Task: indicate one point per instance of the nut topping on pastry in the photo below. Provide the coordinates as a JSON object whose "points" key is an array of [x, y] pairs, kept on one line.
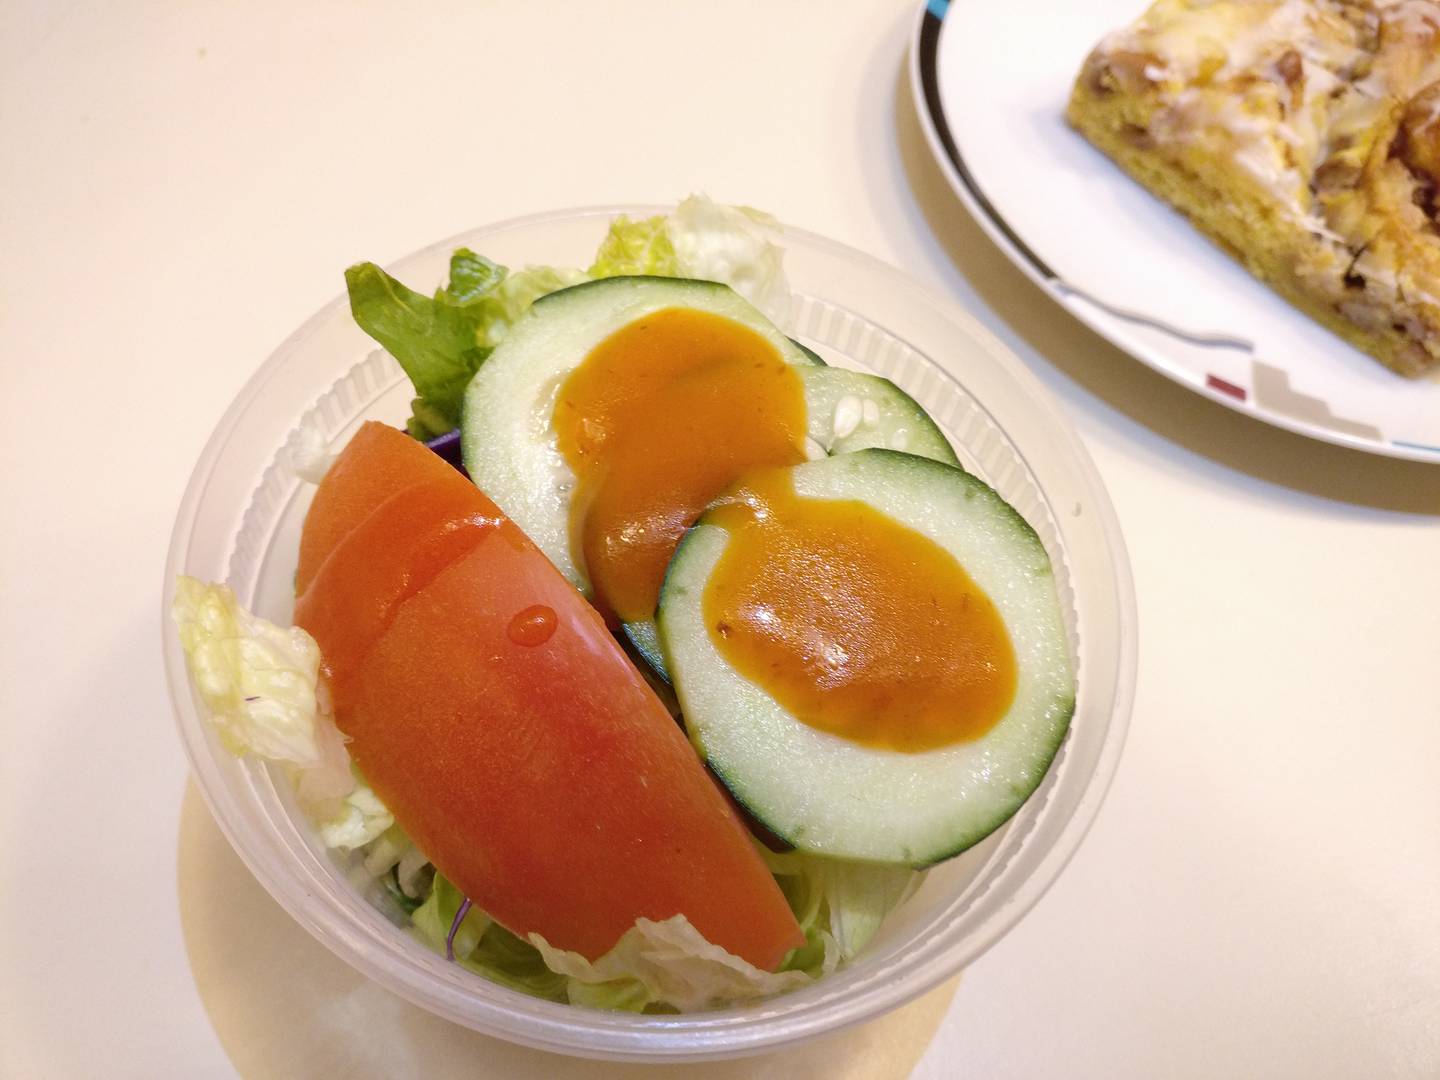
{"points": [[1418, 141]]}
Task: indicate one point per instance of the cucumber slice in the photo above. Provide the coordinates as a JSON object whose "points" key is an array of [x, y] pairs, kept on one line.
{"points": [[849, 410], [834, 797], [506, 431], [644, 638], [815, 357], [508, 437]]}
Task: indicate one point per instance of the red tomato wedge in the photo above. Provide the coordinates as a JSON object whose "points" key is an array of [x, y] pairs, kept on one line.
{"points": [[391, 555], [495, 715], [374, 466]]}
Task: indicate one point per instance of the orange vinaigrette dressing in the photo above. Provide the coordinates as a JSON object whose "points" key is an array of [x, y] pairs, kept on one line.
{"points": [[659, 419], [857, 625]]}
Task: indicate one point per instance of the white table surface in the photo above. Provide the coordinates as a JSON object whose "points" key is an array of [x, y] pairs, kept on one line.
{"points": [[181, 185]]}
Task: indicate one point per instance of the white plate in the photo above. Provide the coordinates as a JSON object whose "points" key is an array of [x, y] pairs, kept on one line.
{"points": [[991, 82]]}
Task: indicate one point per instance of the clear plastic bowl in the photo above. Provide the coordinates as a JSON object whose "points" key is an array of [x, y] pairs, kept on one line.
{"points": [[240, 520]]}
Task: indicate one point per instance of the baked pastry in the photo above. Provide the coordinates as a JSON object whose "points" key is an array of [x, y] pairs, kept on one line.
{"points": [[1304, 137]]}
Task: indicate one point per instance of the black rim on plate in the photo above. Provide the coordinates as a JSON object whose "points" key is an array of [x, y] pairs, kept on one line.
{"points": [[930, 85]]}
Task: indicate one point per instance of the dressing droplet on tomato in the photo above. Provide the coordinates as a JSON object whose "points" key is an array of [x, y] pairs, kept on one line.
{"points": [[533, 626]]}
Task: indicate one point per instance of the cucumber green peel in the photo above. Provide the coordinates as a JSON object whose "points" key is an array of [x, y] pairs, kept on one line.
{"points": [[828, 795]]}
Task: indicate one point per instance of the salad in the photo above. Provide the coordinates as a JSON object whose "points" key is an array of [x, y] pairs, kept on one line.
{"points": [[668, 696]]}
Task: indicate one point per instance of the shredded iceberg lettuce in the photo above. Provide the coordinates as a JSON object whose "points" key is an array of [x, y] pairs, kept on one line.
{"points": [[735, 245], [656, 966], [483, 946], [434, 918], [310, 456], [260, 685], [667, 964], [838, 903], [703, 239], [399, 869], [636, 247], [385, 852], [257, 679], [360, 819]]}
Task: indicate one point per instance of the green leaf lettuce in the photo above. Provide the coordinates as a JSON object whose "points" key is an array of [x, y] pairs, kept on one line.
{"points": [[440, 341]]}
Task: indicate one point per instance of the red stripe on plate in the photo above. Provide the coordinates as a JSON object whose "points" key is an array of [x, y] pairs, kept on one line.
{"points": [[1214, 382]]}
